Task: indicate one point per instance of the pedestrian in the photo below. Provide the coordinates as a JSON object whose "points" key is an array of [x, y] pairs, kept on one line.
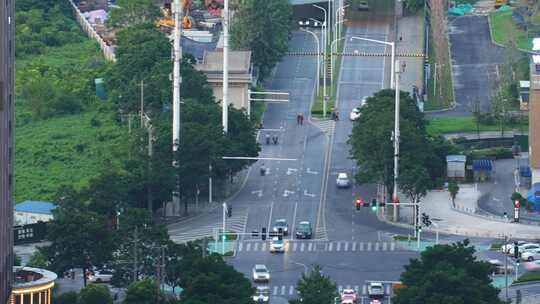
{"points": [[400, 38], [275, 139], [301, 118], [298, 118]]}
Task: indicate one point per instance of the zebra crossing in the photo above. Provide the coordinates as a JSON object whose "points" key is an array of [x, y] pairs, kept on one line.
{"points": [[236, 223], [326, 126], [318, 246], [290, 290]]}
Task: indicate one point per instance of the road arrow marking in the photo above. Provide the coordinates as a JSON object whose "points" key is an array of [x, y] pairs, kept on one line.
{"points": [[291, 171], [308, 194], [287, 193], [258, 192], [311, 172]]}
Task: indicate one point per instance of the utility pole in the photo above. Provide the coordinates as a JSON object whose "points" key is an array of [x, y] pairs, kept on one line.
{"points": [[177, 80], [506, 270], [225, 100], [142, 101], [396, 140], [135, 262]]}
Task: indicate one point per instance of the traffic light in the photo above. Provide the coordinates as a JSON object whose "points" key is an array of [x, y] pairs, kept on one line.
{"points": [[382, 204], [516, 250], [263, 234], [374, 204], [254, 233], [229, 211], [358, 203]]}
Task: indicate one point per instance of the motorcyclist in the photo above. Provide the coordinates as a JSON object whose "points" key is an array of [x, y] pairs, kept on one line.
{"points": [[267, 139]]}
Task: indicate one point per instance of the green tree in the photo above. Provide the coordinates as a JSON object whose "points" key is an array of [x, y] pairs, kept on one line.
{"points": [[95, 294], [69, 297], [133, 12], [79, 238], [38, 260], [316, 288], [251, 31], [414, 5], [142, 292], [372, 146], [414, 180], [449, 274]]}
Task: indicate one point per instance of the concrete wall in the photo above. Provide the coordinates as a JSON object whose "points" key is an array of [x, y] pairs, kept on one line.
{"points": [[238, 95], [7, 57], [25, 218]]}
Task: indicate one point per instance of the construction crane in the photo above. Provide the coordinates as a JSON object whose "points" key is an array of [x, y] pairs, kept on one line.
{"points": [[167, 21]]}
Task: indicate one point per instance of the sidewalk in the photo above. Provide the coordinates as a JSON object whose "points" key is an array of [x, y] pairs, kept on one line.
{"points": [[411, 30], [462, 221]]}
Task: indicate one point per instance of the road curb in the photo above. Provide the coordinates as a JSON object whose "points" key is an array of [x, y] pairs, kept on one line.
{"points": [[502, 45], [525, 283]]}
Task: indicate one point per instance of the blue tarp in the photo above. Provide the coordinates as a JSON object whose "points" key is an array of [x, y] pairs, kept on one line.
{"points": [[35, 207], [482, 165], [533, 196], [525, 171], [460, 9]]}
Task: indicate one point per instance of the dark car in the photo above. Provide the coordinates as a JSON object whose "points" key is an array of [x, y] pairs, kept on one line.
{"points": [[363, 6], [303, 230]]}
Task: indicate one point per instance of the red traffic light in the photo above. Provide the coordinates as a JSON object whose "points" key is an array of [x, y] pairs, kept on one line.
{"points": [[516, 204]]}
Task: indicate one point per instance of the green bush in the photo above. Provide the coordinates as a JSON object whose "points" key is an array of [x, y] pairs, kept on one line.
{"points": [[69, 297], [493, 153]]}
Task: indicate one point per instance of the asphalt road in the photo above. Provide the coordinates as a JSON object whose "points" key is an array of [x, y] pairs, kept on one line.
{"points": [[475, 64]]}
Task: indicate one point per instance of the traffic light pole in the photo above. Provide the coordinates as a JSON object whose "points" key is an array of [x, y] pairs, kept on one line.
{"points": [[223, 231]]}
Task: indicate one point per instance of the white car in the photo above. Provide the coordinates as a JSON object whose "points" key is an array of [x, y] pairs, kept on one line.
{"points": [[277, 245], [100, 276], [526, 248], [375, 290], [343, 181], [260, 273], [531, 255], [355, 114], [262, 294], [508, 248]]}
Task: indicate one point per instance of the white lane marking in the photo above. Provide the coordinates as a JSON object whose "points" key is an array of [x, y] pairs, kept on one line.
{"points": [[364, 289], [275, 291], [291, 290], [354, 246], [308, 171], [330, 246], [258, 192], [270, 216], [308, 194], [248, 247], [286, 193], [369, 246], [346, 246], [255, 246], [263, 246], [361, 245], [377, 246], [294, 218], [240, 245], [302, 247], [310, 246], [294, 246], [291, 171], [338, 246], [384, 246], [392, 246]]}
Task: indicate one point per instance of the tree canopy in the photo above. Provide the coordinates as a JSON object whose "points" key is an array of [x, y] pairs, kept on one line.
{"points": [[448, 274], [95, 294], [133, 12], [316, 288], [262, 26]]}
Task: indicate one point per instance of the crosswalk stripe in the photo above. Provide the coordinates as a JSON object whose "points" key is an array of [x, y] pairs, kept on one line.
{"points": [[356, 288], [302, 247], [294, 246], [283, 289], [384, 246], [354, 246], [330, 246], [361, 246], [340, 288], [275, 291], [310, 246], [392, 246], [255, 246], [240, 245], [346, 246], [364, 289], [387, 289], [369, 246], [263, 246], [248, 246], [291, 290], [377, 246], [338, 246]]}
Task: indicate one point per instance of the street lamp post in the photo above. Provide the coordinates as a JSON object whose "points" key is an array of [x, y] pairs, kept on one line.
{"points": [[338, 20], [318, 57], [393, 46], [397, 68], [325, 46], [332, 64]]}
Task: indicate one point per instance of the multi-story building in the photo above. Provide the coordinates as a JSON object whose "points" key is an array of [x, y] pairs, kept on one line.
{"points": [[7, 52], [534, 119]]}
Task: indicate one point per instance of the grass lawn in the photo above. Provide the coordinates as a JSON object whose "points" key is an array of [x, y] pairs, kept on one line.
{"points": [[317, 109], [67, 149], [503, 27], [64, 150], [528, 277], [442, 125]]}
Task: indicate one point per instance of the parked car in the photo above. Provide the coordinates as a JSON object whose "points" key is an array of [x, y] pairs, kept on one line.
{"points": [[343, 181], [349, 296], [531, 255], [281, 223], [100, 276], [526, 247], [262, 294], [506, 248], [363, 6], [498, 267], [303, 230], [260, 273], [277, 245], [375, 290], [355, 114]]}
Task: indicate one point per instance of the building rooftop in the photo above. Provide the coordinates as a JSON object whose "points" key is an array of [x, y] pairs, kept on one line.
{"points": [[239, 62], [28, 277], [35, 207], [456, 158]]}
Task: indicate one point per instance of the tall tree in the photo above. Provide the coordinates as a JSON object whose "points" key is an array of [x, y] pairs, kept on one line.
{"points": [[141, 292], [262, 26], [95, 294], [449, 274], [133, 12], [79, 239], [316, 288]]}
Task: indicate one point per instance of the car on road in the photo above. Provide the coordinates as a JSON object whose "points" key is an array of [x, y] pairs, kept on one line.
{"points": [[303, 230], [310, 23], [281, 223], [507, 248], [531, 255], [375, 301], [100, 276], [355, 114], [526, 248], [349, 296], [277, 245], [498, 266], [363, 6], [343, 180], [260, 273], [375, 290], [262, 294]]}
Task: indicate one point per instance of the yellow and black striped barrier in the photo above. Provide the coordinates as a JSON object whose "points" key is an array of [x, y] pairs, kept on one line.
{"points": [[364, 54]]}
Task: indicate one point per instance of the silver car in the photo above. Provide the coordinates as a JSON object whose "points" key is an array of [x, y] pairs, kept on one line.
{"points": [[343, 181], [260, 273]]}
